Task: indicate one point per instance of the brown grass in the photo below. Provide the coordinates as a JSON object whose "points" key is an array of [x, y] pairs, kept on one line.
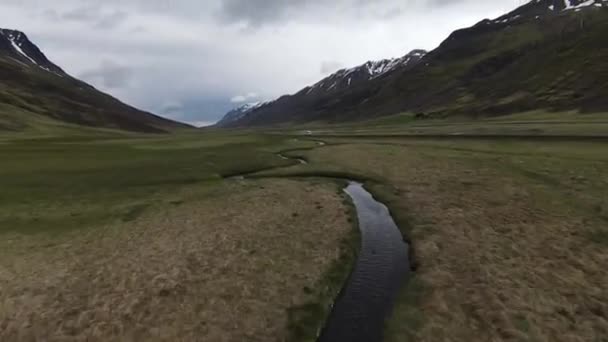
{"points": [[505, 240], [225, 265]]}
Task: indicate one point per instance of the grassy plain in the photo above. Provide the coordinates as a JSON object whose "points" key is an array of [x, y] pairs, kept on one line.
{"points": [[108, 237], [537, 123]]}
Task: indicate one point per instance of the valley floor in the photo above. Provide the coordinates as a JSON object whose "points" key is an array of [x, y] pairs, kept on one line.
{"points": [[510, 235], [143, 238]]}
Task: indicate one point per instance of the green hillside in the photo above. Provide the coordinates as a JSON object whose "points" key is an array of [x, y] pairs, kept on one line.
{"points": [[36, 95]]}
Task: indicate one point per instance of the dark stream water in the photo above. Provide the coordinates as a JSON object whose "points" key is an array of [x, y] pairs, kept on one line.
{"points": [[300, 160], [366, 300]]}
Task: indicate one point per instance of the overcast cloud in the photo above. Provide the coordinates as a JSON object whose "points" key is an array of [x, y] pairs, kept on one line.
{"points": [[193, 60]]}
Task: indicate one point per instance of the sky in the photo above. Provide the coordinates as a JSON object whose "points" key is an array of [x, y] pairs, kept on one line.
{"points": [[193, 60]]}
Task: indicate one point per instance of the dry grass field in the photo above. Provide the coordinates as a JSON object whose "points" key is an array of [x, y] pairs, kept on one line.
{"points": [[228, 264], [140, 238]]}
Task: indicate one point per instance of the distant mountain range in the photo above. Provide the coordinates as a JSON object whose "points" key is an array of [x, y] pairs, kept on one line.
{"points": [[36, 94], [239, 113], [332, 85], [546, 54]]}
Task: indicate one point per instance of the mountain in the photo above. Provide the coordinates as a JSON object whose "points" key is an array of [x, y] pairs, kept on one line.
{"points": [[318, 94], [36, 94], [536, 8], [345, 78], [238, 113], [546, 54], [20, 48]]}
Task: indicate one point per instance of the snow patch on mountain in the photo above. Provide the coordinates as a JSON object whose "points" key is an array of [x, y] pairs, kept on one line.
{"points": [[370, 70], [539, 8], [17, 47], [27, 53], [240, 112]]}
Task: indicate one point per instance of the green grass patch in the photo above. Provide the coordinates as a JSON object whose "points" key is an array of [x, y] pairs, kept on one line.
{"points": [[54, 183], [599, 237], [306, 321], [135, 211], [407, 315]]}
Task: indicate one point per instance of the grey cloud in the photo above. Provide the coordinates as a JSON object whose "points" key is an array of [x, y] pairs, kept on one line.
{"points": [[195, 109], [84, 13], [330, 66], [257, 13], [172, 108], [251, 12], [112, 20], [92, 15], [111, 75]]}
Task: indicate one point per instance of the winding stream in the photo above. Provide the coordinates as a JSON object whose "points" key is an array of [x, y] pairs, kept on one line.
{"points": [[366, 300], [382, 265], [300, 160]]}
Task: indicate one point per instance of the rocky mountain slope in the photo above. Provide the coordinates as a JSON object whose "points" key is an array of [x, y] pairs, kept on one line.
{"points": [[345, 78], [547, 54], [35, 93], [318, 94]]}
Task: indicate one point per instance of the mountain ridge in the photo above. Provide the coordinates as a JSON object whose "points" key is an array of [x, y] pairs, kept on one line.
{"points": [[369, 70], [541, 55], [23, 48], [34, 91], [239, 112], [336, 82]]}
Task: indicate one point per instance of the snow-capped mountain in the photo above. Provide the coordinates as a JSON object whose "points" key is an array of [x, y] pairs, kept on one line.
{"points": [[345, 78], [563, 5], [540, 8], [21, 49], [534, 10], [546, 54], [334, 84], [240, 112]]}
